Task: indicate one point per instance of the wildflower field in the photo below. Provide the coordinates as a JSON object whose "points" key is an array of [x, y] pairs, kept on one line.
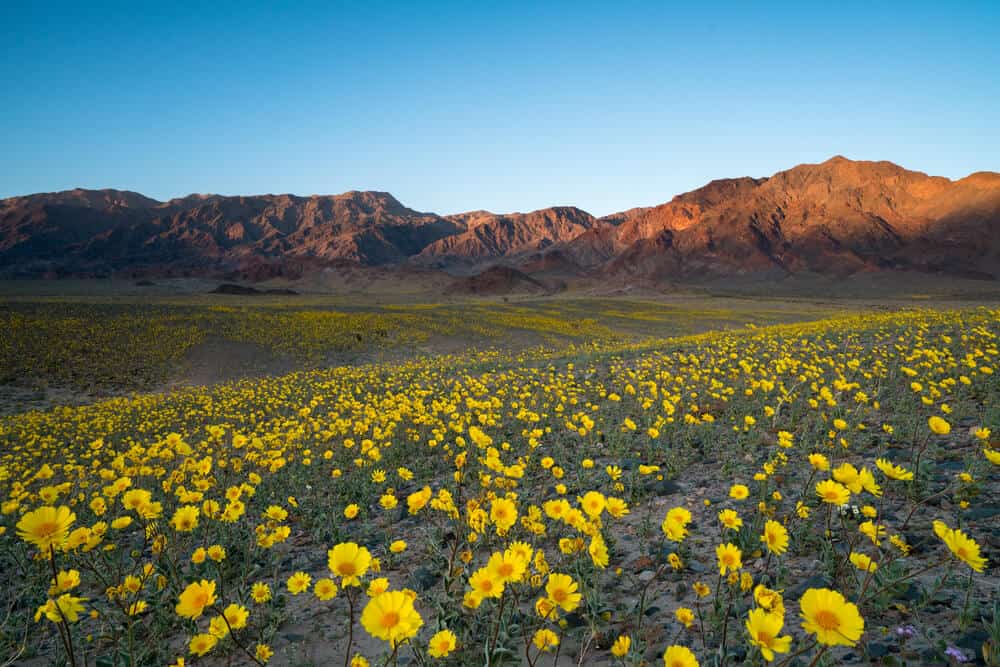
{"points": [[813, 493]]}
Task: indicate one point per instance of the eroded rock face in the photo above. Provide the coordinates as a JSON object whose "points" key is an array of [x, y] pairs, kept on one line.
{"points": [[92, 230], [834, 218], [838, 217]]}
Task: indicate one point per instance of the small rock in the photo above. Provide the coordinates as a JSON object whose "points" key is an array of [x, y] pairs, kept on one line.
{"points": [[877, 650], [666, 487]]}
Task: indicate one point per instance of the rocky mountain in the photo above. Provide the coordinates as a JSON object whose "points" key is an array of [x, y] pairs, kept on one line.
{"points": [[838, 218], [105, 231], [834, 218], [488, 236]]}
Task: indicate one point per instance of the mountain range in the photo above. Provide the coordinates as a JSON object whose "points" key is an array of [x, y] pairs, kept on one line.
{"points": [[835, 218]]}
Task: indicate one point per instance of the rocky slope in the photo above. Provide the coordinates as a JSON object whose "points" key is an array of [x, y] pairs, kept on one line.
{"points": [[835, 218]]}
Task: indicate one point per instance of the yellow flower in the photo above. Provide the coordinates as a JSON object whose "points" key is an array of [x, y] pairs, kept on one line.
{"points": [[236, 615], [562, 590], [702, 590], [679, 656], [442, 643], [674, 525], [598, 551], [298, 583], [545, 639], [862, 562], [769, 600], [938, 425], [390, 616], [217, 552], [46, 527], [617, 507], [764, 629], [349, 561], [730, 558], [263, 652], [829, 616], [621, 646], [503, 514], [832, 492], [486, 584], [685, 616], [260, 592], [351, 511], [66, 580], [377, 586], [730, 519], [775, 537], [65, 606], [507, 566], [398, 546], [874, 532], [593, 503], [202, 643], [739, 491], [819, 462], [849, 476], [325, 589], [137, 607], [195, 598], [993, 455], [893, 471], [185, 519], [965, 548]]}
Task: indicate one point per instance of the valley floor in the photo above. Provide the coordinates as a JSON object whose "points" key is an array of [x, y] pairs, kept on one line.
{"points": [[573, 480]]}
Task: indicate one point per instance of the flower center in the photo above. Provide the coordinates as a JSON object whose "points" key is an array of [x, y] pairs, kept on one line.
{"points": [[827, 620], [559, 595], [390, 619], [48, 528], [346, 569]]}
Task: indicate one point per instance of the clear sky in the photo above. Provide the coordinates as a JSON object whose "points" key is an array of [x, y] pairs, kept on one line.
{"points": [[502, 105]]}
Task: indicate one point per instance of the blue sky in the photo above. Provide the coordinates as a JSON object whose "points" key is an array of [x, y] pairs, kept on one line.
{"points": [[502, 106]]}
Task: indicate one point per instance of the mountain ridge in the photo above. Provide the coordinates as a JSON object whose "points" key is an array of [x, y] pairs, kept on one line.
{"points": [[836, 217]]}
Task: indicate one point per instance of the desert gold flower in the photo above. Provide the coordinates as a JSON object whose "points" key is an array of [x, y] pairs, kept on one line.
{"points": [[863, 562], [325, 589], [545, 639], [893, 471], [833, 492], [621, 646], [46, 527], [679, 656], [730, 519], [938, 426], [829, 616], [730, 558], [194, 599], [562, 590], [202, 643], [349, 561], [298, 583], [962, 546], [442, 643], [775, 537], [503, 514], [391, 617], [764, 628]]}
